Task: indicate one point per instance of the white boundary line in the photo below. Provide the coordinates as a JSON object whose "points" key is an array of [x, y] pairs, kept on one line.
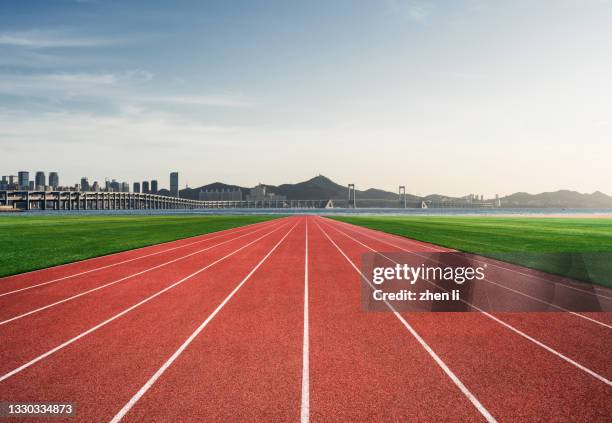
{"points": [[485, 413], [89, 291], [598, 288], [577, 314], [127, 310], [219, 235], [128, 406], [507, 325], [305, 406]]}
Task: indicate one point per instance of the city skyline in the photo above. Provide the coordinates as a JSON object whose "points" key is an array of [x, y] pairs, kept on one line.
{"points": [[444, 97], [22, 181]]}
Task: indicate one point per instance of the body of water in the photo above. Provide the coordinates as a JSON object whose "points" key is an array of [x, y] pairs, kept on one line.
{"points": [[336, 211]]}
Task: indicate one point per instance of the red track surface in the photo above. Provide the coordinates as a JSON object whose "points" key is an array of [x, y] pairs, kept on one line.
{"points": [[214, 331]]}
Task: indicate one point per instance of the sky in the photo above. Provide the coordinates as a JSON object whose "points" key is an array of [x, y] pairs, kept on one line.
{"points": [[450, 97]]}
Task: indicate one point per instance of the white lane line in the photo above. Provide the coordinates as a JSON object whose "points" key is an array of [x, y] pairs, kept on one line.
{"points": [[501, 322], [89, 291], [582, 316], [490, 262], [128, 406], [225, 232], [127, 310], [481, 408], [305, 407]]}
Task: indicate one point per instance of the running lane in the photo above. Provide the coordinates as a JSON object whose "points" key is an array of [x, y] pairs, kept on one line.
{"points": [[101, 370], [31, 335], [585, 341], [368, 366], [88, 267], [246, 364], [526, 284], [14, 303], [512, 376]]}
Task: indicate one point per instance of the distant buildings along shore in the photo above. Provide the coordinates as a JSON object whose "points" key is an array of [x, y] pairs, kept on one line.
{"points": [[22, 182]]}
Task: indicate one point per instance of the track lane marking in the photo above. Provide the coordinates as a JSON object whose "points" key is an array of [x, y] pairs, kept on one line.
{"points": [[438, 249], [118, 315], [471, 397], [577, 314], [503, 323], [225, 232], [305, 405], [89, 291], [130, 404]]}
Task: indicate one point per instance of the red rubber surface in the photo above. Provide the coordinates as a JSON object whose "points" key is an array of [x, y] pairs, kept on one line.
{"points": [[245, 364]]}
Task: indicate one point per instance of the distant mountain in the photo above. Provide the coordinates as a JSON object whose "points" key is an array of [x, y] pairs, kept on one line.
{"points": [[193, 193], [317, 188], [561, 198], [323, 188]]}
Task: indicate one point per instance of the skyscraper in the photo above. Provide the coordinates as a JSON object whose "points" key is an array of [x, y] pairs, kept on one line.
{"points": [[136, 187], [115, 186], [84, 184], [23, 179], [174, 184], [145, 187], [53, 180], [41, 180], [154, 186]]}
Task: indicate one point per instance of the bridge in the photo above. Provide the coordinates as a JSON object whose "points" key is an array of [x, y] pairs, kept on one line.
{"points": [[81, 200]]}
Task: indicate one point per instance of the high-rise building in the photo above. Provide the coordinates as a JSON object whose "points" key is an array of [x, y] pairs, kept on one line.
{"points": [[41, 180], [53, 180], [31, 186], [154, 186], [125, 187], [95, 187], [145, 187], [115, 186], [23, 179], [136, 187], [174, 184], [84, 184]]}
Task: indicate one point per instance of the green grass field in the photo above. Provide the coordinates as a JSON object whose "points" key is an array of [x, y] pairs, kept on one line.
{"points": [[582, 247], [35, 242]]}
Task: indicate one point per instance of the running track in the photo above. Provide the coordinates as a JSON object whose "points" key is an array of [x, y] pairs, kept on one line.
{"points": [[264, 323]]}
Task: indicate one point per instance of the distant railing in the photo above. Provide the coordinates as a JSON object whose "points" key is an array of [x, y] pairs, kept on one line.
{"points": [[86, 200]]}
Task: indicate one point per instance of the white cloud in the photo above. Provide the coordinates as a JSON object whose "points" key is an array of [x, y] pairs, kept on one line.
{"points": [[42, 38], [59, 85], [125, 90], [414, 10], [206, 100]]}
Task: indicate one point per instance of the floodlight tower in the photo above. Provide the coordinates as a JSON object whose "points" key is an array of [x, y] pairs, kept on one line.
{"points": [[402, 194], [351, 196]]}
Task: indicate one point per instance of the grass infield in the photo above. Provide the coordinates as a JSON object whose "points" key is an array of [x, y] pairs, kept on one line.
{"points": [[35, 242], [582, 247]]}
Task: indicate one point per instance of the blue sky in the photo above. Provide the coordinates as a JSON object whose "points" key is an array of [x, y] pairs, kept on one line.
{"points": [[442, 96]]}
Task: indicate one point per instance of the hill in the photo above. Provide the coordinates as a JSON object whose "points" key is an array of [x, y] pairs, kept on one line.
{"points": [[561, 198], [322, 188]]}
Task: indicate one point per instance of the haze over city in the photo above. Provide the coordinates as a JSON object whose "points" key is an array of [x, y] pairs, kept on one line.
{"points": [[444, 97]]}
